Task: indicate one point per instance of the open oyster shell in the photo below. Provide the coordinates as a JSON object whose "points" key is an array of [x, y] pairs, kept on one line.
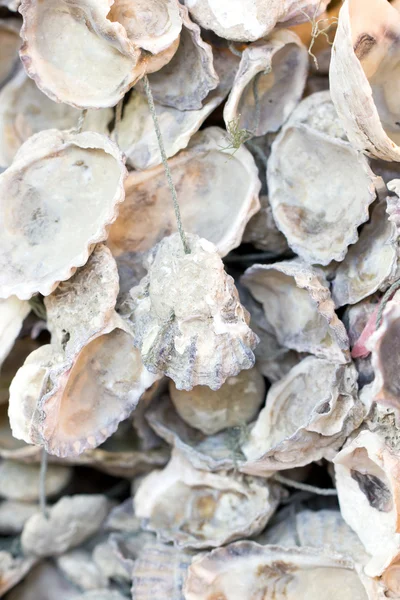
{"points": [[25, 110], [268, 84], [21, 482], [370, 264], [248, 570], [71, 521], [299, 309], [362, 74], [59, 182], [216, 508], [12, 313], [250, 20], [204, 178], [307, 416], [319, 186]]}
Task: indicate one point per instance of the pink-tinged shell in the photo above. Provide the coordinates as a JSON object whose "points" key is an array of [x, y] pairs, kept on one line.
{"points": [[363, 76], [277, 69], [250, 20], [10, 43], [53, 211], [299, 309]]}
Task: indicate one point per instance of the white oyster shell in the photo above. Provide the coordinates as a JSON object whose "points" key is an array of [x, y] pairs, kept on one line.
{"points": [[268, 84], [299, 309], [216, 508], [319, 186], [71, 521], [307, 416], [21, 482], [363, 76], [14, 514], [25, 110], [12, 313], [248, 570], [217, 197], [370, 264], [58, 182], [79, 568], [187, 318], [250, 20], [10, 43]]}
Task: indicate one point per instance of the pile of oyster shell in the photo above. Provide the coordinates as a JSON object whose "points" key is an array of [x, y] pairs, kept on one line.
{"points": [[219, 407]]}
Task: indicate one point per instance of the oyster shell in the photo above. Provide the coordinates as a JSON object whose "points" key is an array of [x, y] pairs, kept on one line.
{"points": [[393, 203], [21, 482], [216, 508], [366, 473], [262, 232], [71, 521], [371, 264], [362, 74], [52, 188], [307, 416], [79, 568], [204, 178], [319, 186], [249, 570], [250, 20], [101, 595], [12, 570], [14, 514], [268, 84], [236, 402], [24, 111], [12, 313], [187, 318], [44, 582], [10, 43], [298, 308]]}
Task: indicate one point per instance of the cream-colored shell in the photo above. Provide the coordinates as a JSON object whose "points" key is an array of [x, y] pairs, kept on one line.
{"points": [[25, 110], [57, 200], [12, 314], [10, 43], [307, 416], [197, 509], [217, 196], [250, 20], [363, 76], [299, 309], [319, 186], [273, 74], [186, 316]]}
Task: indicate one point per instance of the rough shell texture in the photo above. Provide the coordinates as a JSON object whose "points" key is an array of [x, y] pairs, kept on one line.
{"points": [[187, 318], [308, 415], [72, 76], [268, 84], [236, 402], [299, 309], [197, 509], [52, 189], [10, 43], [71, 521], [217, 197], [366, 472], [12, 313], [249, 570], [251, 20], [319, 186], [21, 482], [362, 74], [24, 111], [370, 264]]}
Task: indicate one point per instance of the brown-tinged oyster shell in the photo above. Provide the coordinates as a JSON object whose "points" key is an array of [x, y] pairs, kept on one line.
{"points": [[299, 309], [58, 182], [187, 318], [319, 186], [248, 570], [307, 416], [12, 570], [45, 582], [71, 521], [204, 178], [25, 110], [268, 84], [363, 76], [21, 482], [236, 402], [79, 568], [12, 313], [91, 357], [371, 264], [10, 43], [250, 20], [197, 509], [366, 473], [14, 514]]}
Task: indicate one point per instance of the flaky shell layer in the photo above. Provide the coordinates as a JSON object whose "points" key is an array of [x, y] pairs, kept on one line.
{"points": [[58, 183]]}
